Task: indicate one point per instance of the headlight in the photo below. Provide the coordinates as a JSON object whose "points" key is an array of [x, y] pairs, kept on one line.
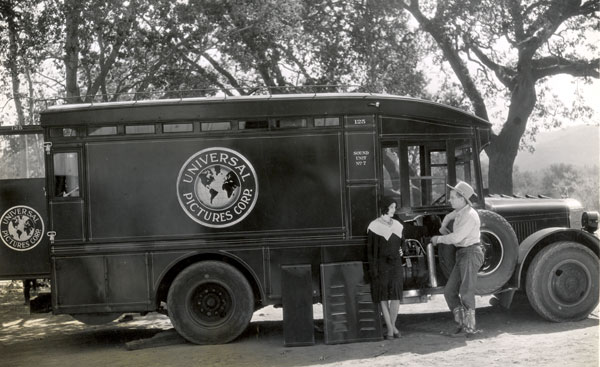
{"points": [[589, 221]]}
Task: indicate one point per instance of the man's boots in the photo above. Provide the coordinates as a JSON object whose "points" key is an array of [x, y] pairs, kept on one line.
{"points": [[470, 328], [459, 316]]}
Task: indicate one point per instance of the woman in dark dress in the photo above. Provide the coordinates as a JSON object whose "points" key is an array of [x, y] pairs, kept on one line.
{"points": [[384, 253]]}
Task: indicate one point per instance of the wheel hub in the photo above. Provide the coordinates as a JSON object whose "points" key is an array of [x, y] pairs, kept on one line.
{"points": [[569, 283], [493, 253], [211, 303]]}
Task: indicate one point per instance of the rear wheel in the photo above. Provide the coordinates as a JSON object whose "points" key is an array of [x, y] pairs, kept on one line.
{"points": [[210, 302], [562, 282]]}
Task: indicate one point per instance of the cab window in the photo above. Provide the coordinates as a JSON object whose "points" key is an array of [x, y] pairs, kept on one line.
{"points": [[66, 174], [416, 174], [428, 174]]}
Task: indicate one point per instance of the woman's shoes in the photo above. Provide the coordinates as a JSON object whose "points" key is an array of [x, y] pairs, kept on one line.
{"points": [[392, 337]]}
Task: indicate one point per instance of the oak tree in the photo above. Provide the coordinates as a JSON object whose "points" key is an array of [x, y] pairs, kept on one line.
{"points": [[508, 49]]}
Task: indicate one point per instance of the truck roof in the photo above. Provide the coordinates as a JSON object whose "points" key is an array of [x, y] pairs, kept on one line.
{"points": [[260, 106]]}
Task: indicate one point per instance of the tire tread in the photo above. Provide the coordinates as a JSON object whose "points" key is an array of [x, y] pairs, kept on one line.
{"points": [[534, 276]]}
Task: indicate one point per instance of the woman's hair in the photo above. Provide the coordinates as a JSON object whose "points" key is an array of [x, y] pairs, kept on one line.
{"points": [[385, 203]]}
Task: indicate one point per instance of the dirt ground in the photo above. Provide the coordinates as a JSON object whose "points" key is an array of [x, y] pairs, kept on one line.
{"points": [[517, 337]]}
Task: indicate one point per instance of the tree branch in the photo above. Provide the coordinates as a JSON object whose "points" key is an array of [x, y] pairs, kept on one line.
{"points": [[275, 58], [514, 8], [435, 30], [589, 8], [207, 75], [308, 78], [554, 65], [56, 81], [504, 74], [548, 22], [106, 64], [232, 80]]}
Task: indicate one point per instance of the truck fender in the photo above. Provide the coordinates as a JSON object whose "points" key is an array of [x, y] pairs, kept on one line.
{"points": [[538, 240], [178, 264]]}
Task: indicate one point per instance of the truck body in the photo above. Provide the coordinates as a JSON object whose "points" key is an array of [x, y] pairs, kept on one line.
{"points": [[200, 207]]}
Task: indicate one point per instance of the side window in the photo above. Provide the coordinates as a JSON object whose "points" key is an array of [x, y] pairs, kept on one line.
{"points": [[253, 124], [439, 178], [66, 174], [215, 126], [102, 130], [463, 157], [428, 172], [390, 157], [140, 129], [178, 128], [284, 123], [21, 156], [430, 165], [327, 121]]}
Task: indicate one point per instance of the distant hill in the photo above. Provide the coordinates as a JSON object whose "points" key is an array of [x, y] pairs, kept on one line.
{"points": [[577, 145]]}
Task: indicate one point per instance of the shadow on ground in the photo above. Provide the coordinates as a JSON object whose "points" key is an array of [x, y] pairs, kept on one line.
{"points": [[153, 339]]}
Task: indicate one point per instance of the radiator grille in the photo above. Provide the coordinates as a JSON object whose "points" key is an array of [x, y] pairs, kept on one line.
{"points": [[524, 229]]}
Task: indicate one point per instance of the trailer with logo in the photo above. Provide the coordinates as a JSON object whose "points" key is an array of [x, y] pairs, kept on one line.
{"points": [[208, 209], [24, 252]]}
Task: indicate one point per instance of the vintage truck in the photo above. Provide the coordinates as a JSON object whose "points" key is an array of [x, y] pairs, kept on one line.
{"points": [[210, 208]]}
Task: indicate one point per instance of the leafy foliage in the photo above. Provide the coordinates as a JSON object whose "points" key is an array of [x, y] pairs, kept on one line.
{"points": [[108, 50]]}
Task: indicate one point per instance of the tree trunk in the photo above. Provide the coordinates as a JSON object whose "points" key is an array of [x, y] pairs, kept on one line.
{"points": [[505, 146], [71, 60], [31, 104], [13, 60]]}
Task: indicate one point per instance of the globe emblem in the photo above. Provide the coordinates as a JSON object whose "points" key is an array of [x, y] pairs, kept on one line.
{"points": [[217, 187], [21, 228]]}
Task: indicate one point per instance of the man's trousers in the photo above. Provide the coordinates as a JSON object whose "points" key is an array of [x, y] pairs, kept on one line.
{"points": [[460, 288]]}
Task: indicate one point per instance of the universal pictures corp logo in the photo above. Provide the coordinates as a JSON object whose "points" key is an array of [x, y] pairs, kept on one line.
{"points": [[21, 228], [217, 187]]}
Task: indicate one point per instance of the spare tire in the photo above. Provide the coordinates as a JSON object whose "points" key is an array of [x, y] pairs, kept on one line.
{"points": [[500, 248], [501, 252]]}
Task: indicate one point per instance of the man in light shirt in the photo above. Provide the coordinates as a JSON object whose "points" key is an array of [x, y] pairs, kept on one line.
{"points": [[460, 288]]}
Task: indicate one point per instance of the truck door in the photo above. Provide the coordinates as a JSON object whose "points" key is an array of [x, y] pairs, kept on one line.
{"points": [[66, 198], [24, 249]]}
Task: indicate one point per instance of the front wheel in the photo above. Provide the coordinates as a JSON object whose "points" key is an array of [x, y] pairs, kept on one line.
{"points": [[562, 282], [210, 302]]}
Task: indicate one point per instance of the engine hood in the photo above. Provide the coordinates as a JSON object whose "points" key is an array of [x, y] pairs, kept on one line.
{"points": [[513, 206]]}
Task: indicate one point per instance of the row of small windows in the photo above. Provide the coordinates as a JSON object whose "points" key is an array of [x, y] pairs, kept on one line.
{"points": [[188, 127]]}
